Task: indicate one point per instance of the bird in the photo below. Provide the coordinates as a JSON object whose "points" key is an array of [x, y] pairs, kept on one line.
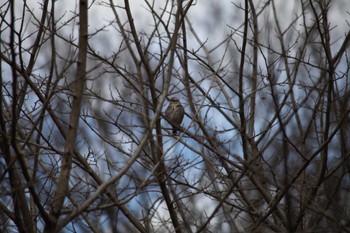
{"points": [[174, 113]]}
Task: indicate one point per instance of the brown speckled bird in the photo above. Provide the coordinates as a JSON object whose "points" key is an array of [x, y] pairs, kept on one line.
{"points": [[174, 114]]}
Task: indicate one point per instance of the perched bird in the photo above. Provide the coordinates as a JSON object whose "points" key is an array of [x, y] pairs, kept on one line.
{"points": [[174, 114]]}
